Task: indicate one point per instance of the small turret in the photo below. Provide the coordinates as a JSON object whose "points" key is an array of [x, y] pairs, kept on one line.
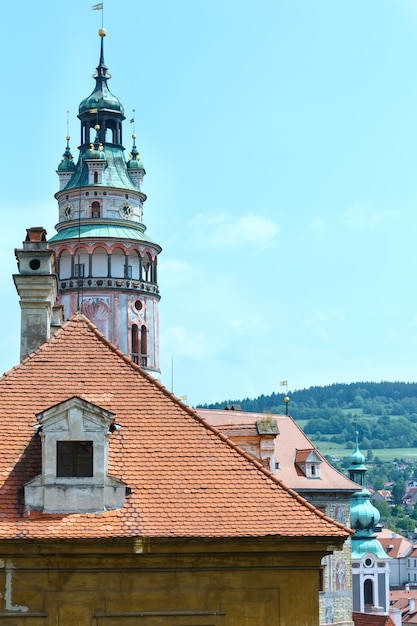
{"points": [[67, 166], [370, 569], [135, 165]]}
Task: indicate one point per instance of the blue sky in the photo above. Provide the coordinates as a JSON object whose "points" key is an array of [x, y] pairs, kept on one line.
{"points": [[280, 143]]}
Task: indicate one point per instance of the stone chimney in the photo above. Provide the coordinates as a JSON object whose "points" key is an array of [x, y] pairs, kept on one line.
{"points": [[396, 616], [411, 605], [37, 286]]}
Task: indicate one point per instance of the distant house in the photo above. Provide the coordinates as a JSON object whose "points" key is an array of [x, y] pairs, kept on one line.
{"points": [[281, 446], [398, 548], [405, 600], [410, 499], [382, 495]]}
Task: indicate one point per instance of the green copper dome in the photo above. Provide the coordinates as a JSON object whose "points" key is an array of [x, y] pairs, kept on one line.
{"points": [[101, 99], [67, 164], [357, 459], [134, 162], [363, 515], [95, 153], [369, 545]]}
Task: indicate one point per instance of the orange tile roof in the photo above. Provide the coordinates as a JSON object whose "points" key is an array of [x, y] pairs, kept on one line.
{"points": [[370, 619], [402, 595], [301, 456], [187, 479], [394, 545], [289, 440], [407, 616]]}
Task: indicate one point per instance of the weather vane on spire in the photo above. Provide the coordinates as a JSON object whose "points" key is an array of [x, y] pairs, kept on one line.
{"points": [[99, 7], [132, 121]]}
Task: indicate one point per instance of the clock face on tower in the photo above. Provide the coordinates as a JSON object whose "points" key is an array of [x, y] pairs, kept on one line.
{"points": [[126, 210], [68, 211]]}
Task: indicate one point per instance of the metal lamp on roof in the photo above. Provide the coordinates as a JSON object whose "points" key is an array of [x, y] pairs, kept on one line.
{"points": [[286, 400]]}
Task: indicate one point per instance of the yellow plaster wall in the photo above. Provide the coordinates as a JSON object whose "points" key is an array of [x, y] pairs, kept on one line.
{"points": [[172, 584]]}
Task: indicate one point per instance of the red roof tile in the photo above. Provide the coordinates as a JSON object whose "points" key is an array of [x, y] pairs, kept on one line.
{"points": [[370, 619], [290, 441], [187, 479]]}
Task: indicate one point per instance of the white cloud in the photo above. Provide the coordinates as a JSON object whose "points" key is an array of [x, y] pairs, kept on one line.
{"points": [[359, 216], [220, 230], [318, 224], [178, 341], [321, 322], [174, 266]]}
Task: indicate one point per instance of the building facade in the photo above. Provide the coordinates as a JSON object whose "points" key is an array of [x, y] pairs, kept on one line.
{"points": [[280, 444], [107, 264]]}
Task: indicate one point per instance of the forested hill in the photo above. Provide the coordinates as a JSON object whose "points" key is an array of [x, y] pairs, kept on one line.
{"points": [[385, 414], [383, 398]]}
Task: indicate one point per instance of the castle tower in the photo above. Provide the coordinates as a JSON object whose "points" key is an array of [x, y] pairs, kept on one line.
{"points": [[370, 563], [107, 265]]}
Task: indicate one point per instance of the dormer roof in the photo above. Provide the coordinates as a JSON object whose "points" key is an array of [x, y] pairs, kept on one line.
{"points": [[289, 442], [307, 456]]}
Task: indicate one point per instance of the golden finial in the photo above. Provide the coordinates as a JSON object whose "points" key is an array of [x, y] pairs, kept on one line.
{"points": [[286, 400]]}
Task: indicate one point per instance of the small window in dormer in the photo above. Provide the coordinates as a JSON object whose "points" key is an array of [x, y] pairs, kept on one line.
{"points": [[313, 470], [74, 459]]}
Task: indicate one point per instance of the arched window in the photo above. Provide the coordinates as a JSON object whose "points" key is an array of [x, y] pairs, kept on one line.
{"points": [[368, 592], [118, 263], [143, 346], [133, 264], [80, 264], [99, 263], [147, 268], [95, 206], [65, 265], [135, 344], [96, 177]]}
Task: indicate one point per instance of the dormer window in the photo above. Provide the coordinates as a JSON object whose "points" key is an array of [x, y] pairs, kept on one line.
{"points": [[308, 462], [74, 459], [75, 440]]}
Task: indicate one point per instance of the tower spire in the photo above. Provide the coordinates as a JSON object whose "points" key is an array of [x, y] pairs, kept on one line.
{"points": [[107, 264]]}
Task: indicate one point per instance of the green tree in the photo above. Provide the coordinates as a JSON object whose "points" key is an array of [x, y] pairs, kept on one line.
{"points": [[398, 491], [378, 483], [384, 510]]}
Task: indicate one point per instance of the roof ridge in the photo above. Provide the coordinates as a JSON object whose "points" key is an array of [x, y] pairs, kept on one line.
{"points": [[315, 448], [264, 470]]}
